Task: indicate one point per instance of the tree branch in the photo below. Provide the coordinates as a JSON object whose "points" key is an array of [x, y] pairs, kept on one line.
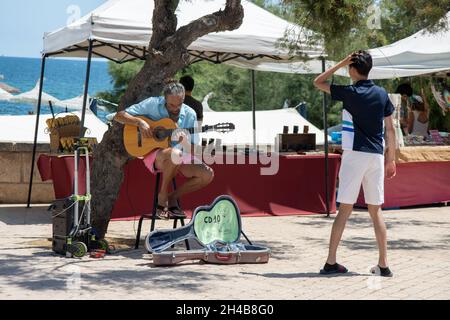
{"points": [[168, 46], [164, 21], [229, 19]]}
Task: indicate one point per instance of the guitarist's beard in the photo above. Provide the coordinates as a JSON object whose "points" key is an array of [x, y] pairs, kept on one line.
{"points": [[174, 117]]}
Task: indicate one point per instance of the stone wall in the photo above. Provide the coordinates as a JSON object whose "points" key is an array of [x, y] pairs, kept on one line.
{"points": [[15, 167]]}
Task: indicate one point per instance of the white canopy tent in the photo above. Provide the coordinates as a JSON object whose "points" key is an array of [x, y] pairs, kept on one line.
{"points": [[419, 54], [120, 30], [270, 123], [13, 128], [377, 72]]}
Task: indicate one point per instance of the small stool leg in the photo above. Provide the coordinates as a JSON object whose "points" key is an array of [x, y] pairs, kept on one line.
{"points": [[175, 221], [186, 242], [174, 183], [138, 235], [155, 201]]}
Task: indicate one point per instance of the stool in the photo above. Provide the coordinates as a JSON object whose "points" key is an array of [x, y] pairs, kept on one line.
{"points": [[153, 214]]}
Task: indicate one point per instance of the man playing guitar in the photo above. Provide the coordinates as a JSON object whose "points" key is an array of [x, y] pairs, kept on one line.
{"points": [[162, 160]]}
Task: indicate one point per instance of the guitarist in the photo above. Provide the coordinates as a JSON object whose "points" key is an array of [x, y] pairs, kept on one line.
{"points": [[162, 160]]}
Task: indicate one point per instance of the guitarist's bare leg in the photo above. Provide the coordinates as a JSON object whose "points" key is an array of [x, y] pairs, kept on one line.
{"points": [[169, 170], [199, 175]]}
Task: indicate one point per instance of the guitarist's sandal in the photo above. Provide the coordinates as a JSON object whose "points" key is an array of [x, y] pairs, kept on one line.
{"points": [[139, 146]]}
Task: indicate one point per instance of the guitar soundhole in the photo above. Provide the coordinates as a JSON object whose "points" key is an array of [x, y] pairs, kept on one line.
{"points": [[159, 133], [139, 136]]}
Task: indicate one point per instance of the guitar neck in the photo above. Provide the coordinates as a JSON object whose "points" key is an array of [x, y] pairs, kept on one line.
{"points": [[190, 130]]}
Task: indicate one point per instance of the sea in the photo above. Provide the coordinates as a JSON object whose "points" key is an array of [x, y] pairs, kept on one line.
{"points": [[64, 79]]}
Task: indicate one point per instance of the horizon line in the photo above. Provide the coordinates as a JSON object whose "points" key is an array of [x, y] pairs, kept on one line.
{"points": [[61, 58]]}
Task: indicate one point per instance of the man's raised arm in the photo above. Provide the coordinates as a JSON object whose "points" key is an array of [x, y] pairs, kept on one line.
{"points": [[321, 81]]}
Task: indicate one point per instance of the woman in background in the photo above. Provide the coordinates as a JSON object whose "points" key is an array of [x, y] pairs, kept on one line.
{"points": [[406, 91], [418, 116]]}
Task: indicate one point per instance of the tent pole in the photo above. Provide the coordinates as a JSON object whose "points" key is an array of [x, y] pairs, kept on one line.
{"points": [[253, 107], [325, 129], [86, 88], [36, 128]]}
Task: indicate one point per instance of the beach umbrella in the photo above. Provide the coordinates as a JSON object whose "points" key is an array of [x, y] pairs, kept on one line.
{"points": [[76, 103], [33, 95], [8, 88], [5, 95]]}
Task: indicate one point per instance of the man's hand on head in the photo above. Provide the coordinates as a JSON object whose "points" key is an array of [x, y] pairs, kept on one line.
{"points": [[348, 60], [321, 81]]}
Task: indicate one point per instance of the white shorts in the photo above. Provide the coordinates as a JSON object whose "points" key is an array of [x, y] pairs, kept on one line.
{"points": [[361, 168]]}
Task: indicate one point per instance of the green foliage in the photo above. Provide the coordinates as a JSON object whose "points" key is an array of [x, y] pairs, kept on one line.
{"points": [[343, 24], [332, 20], [122, 74], [230, 85], [401, 18]]}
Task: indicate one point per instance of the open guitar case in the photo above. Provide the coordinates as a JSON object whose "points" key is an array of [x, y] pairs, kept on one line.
{"points": [[216, 229]]}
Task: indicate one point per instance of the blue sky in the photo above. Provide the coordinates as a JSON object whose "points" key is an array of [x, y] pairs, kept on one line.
{"points": [[23, 22]]}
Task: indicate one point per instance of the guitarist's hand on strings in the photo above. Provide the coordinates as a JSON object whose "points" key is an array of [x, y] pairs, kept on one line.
{"points": [[182, 138], [146, 130]]}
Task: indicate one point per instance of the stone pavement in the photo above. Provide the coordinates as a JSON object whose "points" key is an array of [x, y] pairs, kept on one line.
{"points": [[419, 243]]}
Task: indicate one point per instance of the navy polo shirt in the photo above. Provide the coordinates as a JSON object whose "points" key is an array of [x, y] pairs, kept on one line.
{"points": [[365, 107]]}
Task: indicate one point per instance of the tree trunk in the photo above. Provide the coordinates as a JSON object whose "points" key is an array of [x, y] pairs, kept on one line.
{"points": [[168, 54]]}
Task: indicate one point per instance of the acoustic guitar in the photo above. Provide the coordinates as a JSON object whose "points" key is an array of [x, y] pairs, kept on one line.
{"points": [[138, 146]]}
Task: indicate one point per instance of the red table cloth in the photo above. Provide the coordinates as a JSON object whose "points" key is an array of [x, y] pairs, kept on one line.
{"points": [[297, 188], [416, 183]]}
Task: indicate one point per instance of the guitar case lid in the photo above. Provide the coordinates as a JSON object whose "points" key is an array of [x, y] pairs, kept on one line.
{"points": [[221, 221], [217, 228]]}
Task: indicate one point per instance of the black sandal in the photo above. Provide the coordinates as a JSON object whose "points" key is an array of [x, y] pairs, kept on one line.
{"points": [[383, 272], [333, 269], [162, 212], [176, 212]]}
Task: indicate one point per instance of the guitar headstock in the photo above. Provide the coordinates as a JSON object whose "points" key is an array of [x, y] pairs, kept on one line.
{"points": [[221, 127]]}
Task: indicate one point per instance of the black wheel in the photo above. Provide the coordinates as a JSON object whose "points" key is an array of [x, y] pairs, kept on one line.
{"points": [[79, 249]]}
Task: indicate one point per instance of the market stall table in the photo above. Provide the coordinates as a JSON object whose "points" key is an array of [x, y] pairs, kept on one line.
{"points": [[297, 188], [423, 175]]}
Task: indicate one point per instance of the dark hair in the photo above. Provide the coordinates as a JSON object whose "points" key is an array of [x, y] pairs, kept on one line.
{"points": [[362, 62], [404, 88], [187, 82]]}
